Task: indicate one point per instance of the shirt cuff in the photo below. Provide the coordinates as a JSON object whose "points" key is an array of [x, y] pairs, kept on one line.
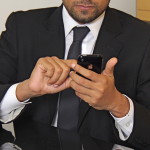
{"points": [[125, 124], [10, 106]]}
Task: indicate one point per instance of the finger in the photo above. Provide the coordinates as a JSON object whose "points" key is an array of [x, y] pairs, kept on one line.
{"points": [[87, 99], [81, 89], [65, 71], [81, 80], [69, 62], [83, 97], [88, 95], [52, 89], [38, 73], [45, 67], [85, 72], [57, 70], [109, 69]]}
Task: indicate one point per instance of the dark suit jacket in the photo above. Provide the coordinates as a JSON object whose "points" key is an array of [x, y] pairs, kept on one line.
{"points": [[5, 136], [39, 33]]}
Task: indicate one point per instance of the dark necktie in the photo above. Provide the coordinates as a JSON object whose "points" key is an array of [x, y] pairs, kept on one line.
{"points": [[69, 102]]}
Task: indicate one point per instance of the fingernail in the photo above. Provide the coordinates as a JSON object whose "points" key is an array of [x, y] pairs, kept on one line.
{"points": [[73, 65], [71, 72], [55, 85]]}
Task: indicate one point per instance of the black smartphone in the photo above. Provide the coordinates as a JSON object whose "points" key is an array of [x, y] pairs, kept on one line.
{"points": [[92, 62]]}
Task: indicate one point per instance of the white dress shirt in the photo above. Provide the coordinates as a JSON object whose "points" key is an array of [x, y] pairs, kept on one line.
{"points": [[10, 107]]}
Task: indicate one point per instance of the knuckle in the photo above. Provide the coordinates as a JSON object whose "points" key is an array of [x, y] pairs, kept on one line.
{"points": [[51, 68], [47, 58], [101, 91], [94, 102], [59, 70], [98, 96], [49, 73], [82, 81], [74, 61], [40, 59], [66, 69], [54, 57], [59, 81], [77, 88], [89, 74], [72, 84], [104, 81]]}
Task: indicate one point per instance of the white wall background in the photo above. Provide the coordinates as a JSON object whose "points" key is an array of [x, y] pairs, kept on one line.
{"points": [[128, 6], [8, 6]]}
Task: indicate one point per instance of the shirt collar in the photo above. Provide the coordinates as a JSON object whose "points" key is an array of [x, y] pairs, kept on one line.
{"points": [[70, 23]]}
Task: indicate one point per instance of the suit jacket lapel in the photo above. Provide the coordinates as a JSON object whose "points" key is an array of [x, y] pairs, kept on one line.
{"points": [[107, 45]]}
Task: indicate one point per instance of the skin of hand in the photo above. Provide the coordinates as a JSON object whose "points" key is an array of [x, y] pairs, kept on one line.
{"points": [[100, 91], [49, 76]]}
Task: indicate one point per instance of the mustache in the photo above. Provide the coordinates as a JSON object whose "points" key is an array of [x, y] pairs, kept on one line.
{"points": [[85, 2]]}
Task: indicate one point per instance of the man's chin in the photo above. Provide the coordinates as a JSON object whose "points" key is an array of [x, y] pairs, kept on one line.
{"points": [[83, 16], [82, 19]]}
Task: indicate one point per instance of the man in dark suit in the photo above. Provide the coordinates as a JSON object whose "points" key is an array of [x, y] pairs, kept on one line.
{"points": [[32, 51]]}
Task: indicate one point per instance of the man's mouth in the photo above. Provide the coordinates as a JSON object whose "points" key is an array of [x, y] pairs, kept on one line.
{"points": [[85, 7]]}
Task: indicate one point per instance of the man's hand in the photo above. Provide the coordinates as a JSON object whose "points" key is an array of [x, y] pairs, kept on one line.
{"points": [[49, 76], [99, 91]]}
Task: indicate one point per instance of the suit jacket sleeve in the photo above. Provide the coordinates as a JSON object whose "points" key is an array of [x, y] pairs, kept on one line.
{"points": [[140, 137], [8, 55]]}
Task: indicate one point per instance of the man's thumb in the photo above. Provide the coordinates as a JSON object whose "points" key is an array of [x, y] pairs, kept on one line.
{"points": [[109, 69]]}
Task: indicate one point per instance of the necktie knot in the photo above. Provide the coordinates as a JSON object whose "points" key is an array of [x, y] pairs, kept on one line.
{"points": [[80, 33], [76, 46]]}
